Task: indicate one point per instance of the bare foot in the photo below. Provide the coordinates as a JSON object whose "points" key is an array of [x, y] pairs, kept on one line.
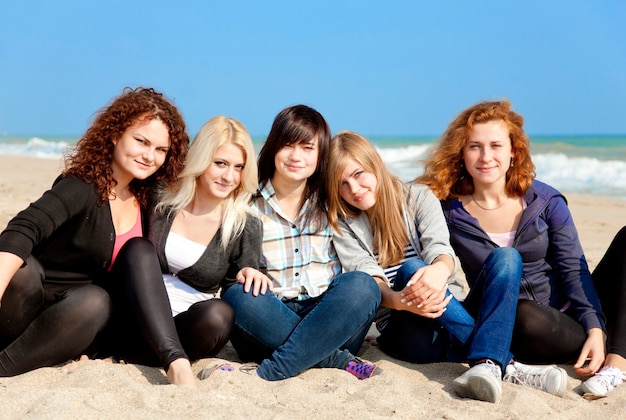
{"points": [[613, 359], [180, 373], [73, 365], [113, 360], [371, 340]]}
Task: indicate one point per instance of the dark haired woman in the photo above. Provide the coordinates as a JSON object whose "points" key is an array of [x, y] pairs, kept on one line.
{"points": [[317, 316]]}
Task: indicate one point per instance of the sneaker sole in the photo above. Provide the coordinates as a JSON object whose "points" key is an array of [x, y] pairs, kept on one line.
{"points": [[478, 388], [592, 391], [560, 391]]}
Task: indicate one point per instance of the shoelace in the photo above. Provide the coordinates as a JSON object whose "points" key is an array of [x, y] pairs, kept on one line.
{"points": [[610, 377], [248, 368], [533, 380], [491, 365]]}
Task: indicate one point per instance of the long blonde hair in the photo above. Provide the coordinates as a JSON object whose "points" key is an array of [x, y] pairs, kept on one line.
{"points": [[387, 216], [216, 132]]}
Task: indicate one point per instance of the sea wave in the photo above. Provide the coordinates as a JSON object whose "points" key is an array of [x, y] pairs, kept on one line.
{"points": [[404, 153], [568, 172], [35, 147], [582, 174]]}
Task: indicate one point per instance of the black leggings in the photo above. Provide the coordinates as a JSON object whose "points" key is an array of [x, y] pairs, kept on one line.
{"points": [[143, 330], [546, 335], [609, 277], [45, 324]]}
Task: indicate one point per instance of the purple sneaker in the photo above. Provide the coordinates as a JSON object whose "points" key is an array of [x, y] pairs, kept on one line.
{"points": [[362, 369]]}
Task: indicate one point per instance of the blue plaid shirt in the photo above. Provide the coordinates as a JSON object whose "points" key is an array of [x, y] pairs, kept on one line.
{"points": [[301, 263]]}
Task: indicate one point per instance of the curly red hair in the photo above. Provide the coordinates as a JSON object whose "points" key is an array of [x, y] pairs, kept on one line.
{"points": [[93, 155], [444, 172]]}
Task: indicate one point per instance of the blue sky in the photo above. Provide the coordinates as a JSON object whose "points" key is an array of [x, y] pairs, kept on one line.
{"points": [[376, 67]]}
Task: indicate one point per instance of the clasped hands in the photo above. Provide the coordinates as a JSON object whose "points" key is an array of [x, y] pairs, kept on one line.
{"points": [[425, 293]]}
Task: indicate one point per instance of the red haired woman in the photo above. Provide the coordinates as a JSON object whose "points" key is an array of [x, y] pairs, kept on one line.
{"points": [[483, 172]]}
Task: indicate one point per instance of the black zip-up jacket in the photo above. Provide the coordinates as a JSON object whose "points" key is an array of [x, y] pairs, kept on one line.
{"points": [[66, 230]]}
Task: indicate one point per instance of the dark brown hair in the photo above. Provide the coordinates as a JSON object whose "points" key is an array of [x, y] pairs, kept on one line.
{"points": [[293, 125]]}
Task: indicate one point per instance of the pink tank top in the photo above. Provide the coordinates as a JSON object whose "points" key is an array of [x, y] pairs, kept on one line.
{"points": [[120, 240]]}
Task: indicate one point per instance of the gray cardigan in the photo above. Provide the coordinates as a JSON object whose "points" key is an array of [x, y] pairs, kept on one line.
{"points": [[428, 235], [216, 267]]}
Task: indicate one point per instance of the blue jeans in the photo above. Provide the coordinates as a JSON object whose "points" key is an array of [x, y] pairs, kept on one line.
{"points": [[309, 333], [480, 327]]}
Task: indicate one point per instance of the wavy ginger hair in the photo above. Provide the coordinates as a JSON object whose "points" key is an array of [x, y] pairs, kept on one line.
{"points": [[387, 215], [93, 156], [444, 172], [216, 132]]}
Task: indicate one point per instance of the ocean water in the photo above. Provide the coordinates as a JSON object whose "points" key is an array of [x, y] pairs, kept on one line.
{"points": [[573, 164]]}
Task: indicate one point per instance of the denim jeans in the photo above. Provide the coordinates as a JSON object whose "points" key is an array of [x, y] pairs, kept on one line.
{"points": [[481, 326], [309, 333]]}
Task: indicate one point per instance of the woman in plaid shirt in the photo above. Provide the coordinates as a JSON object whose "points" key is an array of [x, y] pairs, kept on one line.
{"points": [[311, 295]]}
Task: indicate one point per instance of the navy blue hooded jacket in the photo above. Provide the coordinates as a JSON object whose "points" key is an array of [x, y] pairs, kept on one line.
{"points": [[555, 269]]}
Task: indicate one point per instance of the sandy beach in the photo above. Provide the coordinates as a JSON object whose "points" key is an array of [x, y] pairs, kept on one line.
{"points": [[96, 389]]}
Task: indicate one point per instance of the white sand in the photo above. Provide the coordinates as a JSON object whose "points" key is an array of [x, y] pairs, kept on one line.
{"points": [[106, 391]]}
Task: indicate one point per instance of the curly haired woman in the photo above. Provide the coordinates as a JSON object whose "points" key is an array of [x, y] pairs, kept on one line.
{"points": [[57, 255]]}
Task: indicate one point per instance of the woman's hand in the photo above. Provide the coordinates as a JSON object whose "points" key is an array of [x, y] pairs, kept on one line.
{"points": [[432, 310], [395, 300], [593, 349], [251, 277], [427, 287]]}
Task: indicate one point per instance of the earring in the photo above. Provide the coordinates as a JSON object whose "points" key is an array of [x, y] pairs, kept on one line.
{"points": [[512, 163]]}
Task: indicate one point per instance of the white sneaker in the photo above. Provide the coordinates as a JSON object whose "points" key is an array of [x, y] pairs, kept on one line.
{"points": [[603, 382], [481, 382], [550, 379]]}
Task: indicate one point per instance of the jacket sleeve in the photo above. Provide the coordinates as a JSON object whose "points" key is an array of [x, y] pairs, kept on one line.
{"points": [[160, 223], [247, 253], [434, 237], [431, 229], [354, 254], [68, 197], [568, 259]]}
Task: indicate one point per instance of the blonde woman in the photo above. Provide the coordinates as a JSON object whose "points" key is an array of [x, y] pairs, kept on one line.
{"points": [[206, 238]]}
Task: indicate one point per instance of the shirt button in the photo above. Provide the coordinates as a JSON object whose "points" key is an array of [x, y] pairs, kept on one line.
{"points": [[296, 250], [297, 274]]}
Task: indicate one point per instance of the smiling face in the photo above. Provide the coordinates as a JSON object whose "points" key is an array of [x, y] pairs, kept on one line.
{"points": [[296, 162], [487, 154], [358, 186], [223, 176], [140, 151]]}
